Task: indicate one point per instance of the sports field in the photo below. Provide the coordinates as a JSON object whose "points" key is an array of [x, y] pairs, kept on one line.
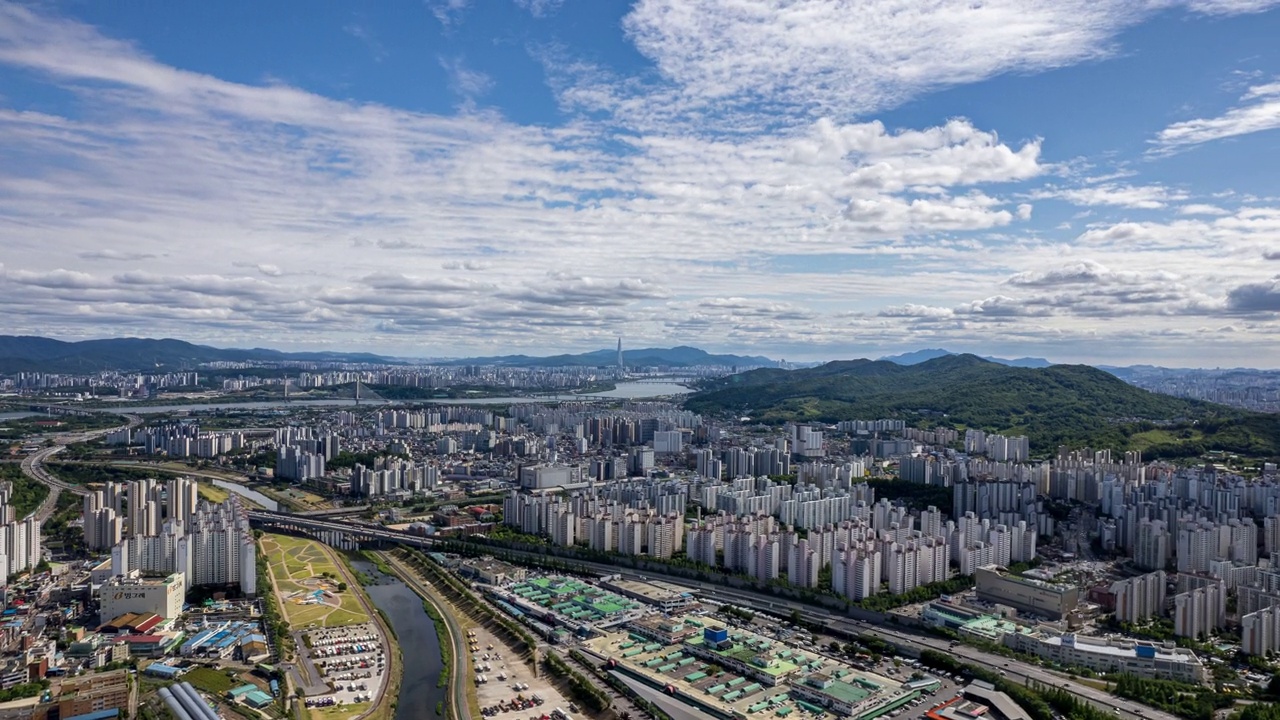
{"points": [[307, 581]]}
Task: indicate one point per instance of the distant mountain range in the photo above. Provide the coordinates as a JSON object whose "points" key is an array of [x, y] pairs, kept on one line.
{"points": [[1073, 405], [20, 353], [919, 356], [681, 356]]}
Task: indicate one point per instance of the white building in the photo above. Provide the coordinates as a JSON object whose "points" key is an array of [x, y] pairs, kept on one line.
{"points": [[1141, 597], [1260, 631], [1201, 611], [133, 593]]}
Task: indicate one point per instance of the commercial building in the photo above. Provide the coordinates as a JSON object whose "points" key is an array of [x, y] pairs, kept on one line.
{"points": [[133, 593], [1025, 594], [1143, 659]]}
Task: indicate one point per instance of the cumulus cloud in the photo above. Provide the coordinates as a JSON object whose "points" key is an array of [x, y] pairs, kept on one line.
{"points": [[1202, 209], [1255, 297], [1087, 272], [783, 223]]}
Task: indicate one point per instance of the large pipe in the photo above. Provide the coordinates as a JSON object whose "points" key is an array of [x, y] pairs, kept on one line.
{"points": [[174, 706], [205, 710], [198, 708], [180, 693]]}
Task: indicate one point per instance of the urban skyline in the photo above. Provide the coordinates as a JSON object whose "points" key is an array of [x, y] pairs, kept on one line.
{"points": [[536, 175]]}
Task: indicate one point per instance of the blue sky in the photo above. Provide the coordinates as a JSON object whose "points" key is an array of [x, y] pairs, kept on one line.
{"points": [[1085, 180]]}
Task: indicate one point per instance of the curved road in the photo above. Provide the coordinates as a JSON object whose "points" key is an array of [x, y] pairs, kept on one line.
{"points": [[459, 673], [33, 466], [384, 632]]}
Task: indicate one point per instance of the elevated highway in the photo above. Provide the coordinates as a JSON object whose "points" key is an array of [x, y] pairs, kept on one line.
{"points": [[909, 641], [33, 466]]}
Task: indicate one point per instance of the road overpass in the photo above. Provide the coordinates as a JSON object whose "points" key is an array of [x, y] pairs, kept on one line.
{"points": [[33, 466]]}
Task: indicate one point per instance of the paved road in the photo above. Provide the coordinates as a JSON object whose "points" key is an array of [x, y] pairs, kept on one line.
{"points": [[621, 703], [384, 633], [459, 673], [33, 466]]}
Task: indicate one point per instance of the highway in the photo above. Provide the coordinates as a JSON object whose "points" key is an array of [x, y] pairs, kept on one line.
{"points": [[911, 641], [33, 466]]}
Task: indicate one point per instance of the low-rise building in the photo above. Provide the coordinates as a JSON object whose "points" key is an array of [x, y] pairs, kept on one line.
{"points": [[1135, 657], [665, 630], [1026, 594]]}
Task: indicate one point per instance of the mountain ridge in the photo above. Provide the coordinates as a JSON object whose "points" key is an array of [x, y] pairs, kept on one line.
{"points": [[918, 356], [30, 353], [1074, 405], [678, 356]]}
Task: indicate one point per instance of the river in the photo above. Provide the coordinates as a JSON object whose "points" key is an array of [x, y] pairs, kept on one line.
{"points": [[16, 415], [262, 500], [419, 644], [622, 391]]}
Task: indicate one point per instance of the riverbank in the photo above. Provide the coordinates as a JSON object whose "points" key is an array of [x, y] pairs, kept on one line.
{"points": [[416, 635], [463, 701], [318, 596]]}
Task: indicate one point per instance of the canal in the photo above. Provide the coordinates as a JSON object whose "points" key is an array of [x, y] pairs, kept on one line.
{"points": [[415, 633]]}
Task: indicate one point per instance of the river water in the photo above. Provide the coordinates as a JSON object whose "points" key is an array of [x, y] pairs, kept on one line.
{"points": [[623, 391], [262, 500], [419, 645]]}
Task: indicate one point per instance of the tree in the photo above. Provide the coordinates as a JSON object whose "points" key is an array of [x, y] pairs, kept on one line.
{"points": [[342, 587]]}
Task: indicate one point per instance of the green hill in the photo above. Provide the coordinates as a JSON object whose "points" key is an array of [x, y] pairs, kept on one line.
{"points": [[20, 353], [1072, 405]]}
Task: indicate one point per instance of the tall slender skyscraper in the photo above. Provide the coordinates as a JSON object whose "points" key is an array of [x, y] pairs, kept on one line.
{"points": [[621, 364]]}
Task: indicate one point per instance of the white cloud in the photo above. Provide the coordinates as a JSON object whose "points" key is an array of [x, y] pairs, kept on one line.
{"points": [[540, 8], [464, 81], [448, 12], [1259, 111], [851, 57], [317, 220], [1202, 209], [1141, 197], [1231, 7]]}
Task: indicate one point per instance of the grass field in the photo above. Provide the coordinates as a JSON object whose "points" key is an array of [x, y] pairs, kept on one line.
{"points": [[337, 713], [1144, 440], [300, 565], [294, 498], [212, 493], [210, 680]]}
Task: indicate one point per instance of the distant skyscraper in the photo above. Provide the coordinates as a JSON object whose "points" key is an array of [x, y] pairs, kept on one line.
{"points": [[621, 364]]}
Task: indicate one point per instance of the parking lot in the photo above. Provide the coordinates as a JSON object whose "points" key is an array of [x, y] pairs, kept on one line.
{"points": [[504, 673], [352, 662]]}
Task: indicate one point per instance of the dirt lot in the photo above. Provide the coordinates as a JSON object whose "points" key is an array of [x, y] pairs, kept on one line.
{"points": [[497, 691]]}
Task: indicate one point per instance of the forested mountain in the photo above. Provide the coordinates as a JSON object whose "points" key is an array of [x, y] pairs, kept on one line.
{"points": [[19, 353], [1061, 404]]}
